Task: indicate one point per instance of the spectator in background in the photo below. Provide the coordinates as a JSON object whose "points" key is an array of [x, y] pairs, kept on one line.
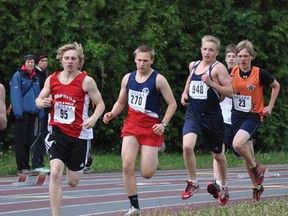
{"points": [[41, 64], [3, 116], [38, 149], [24, 89]]}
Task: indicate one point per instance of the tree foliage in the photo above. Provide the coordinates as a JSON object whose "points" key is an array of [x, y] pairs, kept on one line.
{"points": [[110, 31]]}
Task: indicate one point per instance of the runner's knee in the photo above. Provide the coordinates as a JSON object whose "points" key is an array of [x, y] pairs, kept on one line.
{"points": [[236, 145], [219, 157], [55, 176], [128, 168], [187, 149], [147, 174], [73, 182]]}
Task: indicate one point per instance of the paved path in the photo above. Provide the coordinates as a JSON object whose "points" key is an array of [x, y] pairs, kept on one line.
{"points": [[103, 193]]}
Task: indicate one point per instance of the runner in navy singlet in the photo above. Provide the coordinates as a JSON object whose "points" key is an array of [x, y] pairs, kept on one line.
{"points": [[207, 81]]}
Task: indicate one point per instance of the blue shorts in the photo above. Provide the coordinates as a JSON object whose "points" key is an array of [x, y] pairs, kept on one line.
{"points": [[250, 125], [210, 126], [228, 135]]}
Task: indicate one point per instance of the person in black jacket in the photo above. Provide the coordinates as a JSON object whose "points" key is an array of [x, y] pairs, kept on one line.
{"points": [[24, 89], [38, 149]]}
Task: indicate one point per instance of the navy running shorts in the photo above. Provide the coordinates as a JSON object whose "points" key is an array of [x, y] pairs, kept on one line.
{"points": [[210, 126]]}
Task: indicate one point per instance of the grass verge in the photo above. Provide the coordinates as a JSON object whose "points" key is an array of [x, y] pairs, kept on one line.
{"points": [[112, 162], [270, 207]]}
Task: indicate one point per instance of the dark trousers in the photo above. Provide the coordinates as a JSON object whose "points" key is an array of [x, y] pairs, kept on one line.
{"points": [[38, 149], [24, 138]]}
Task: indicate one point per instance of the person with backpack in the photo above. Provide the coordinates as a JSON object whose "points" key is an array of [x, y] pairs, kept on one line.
{"points": [[24, 89]]}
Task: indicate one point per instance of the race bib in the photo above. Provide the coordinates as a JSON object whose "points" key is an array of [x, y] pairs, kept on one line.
{"points": [[198, 90], [242, 103], [64, 113], [137, 100]]}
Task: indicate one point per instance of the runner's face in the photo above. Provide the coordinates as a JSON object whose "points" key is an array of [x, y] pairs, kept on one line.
{"points": [[143, 61], [244, 59], [70, 60], [209, 51], [231, 59]]}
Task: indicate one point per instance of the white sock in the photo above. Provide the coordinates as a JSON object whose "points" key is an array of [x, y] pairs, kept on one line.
{"points": [[224, 186], [193, 181], [219, 183]]}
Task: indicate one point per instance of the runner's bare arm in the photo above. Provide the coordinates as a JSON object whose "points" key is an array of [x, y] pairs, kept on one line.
{"points": [[184, 95], [90, 86], [44, 99], [120, 104], [168, 96], [221, 80]]}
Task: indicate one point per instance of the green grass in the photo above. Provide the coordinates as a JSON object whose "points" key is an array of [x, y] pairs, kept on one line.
{"points": [[270, 207], [112, 162], [109, 162]]}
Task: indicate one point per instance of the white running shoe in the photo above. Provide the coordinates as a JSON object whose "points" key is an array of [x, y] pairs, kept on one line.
{"points": [[43, 170], [133, 211]]}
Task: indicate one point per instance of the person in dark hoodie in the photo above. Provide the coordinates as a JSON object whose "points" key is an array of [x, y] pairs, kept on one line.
{"points": [[24, 89], [41, 64], [38, 149]]}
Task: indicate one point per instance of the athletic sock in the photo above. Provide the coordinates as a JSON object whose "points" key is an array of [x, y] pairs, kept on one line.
{"points": [[134, 201]]}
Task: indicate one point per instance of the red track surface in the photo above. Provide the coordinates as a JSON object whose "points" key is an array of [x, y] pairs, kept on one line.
{"points": [[103, 193]]}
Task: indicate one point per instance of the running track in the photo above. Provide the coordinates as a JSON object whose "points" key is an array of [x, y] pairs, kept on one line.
{"points": [[103, 193]]}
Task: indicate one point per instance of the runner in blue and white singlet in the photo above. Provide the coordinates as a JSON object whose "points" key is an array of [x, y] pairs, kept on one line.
{"points": [[207, 81]]}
